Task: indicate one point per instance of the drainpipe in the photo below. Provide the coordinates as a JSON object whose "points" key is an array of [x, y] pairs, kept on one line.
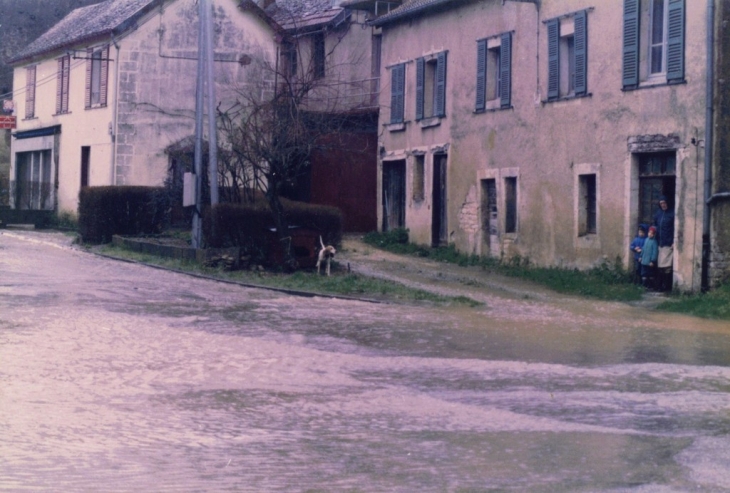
{"points": [[709, 122], [115, 102]]}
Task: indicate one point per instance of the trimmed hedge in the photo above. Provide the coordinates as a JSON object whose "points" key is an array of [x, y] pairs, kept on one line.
{"points": [[120, 210], [249, 226]]}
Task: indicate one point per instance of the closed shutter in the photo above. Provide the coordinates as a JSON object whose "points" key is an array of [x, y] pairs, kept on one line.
{"points": [[59, 86], [675, 41], [397, 86], [630, 76], [481, 101], [66, 76], [580, 38], [505, 69], [30, 92], [420, 78], [89, 67], [104, 75], [553, 34], [440, 101]]}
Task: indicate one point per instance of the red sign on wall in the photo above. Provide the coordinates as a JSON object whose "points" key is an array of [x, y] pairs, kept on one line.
{"points": [[7, 121]]}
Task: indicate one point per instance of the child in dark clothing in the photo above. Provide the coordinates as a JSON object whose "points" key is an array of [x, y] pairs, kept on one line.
{"points": [[649, 254], [636, 247]]}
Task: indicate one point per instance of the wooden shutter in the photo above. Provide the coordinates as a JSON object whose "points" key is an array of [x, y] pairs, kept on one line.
{"points": [[397, 93], [553, 35], [30, 92], [675, 41], [505, 69], [89, 70], [65, 89], [420, 79], [440, 86], [580, 38], [104, 75], [630, 75], [481, 102], [59, 86]]}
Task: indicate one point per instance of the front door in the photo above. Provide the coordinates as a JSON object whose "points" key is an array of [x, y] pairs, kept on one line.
{"points": [[656, 178], [33, 180], [438, 222], [394, 195]]}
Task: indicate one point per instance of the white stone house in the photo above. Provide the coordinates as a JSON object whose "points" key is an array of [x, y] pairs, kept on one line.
{"points": [[548, 129], [102, 94]]}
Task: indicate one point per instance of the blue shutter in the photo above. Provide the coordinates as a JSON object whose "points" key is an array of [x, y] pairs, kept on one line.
{"points": [[397, 93], [581, 52], [440, 89], [630, 76], [481, 102], [553, 34], [420, 78], [505, 69], [675, 41]]}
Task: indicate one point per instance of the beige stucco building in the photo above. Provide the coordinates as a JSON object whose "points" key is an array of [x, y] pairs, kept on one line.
{"points": [[549, 129], [112, 86]]}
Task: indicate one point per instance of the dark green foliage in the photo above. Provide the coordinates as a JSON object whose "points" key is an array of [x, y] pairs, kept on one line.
{"points": [[249, 226], [122, 210], [713, 304]]}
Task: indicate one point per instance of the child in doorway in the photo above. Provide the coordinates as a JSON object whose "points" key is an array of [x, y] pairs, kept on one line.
{"points": [[636, 247], [649, 254]]}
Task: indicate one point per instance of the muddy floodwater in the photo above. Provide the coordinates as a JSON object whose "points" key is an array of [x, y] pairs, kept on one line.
{"points": [[120, 377]]}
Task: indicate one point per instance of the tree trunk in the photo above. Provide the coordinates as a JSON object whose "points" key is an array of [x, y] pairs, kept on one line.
{"points": [[282, 229]]}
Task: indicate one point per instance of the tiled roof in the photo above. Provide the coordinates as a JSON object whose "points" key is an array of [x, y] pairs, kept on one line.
{"points": [[303, 14], [84, 24], [410, 8]]}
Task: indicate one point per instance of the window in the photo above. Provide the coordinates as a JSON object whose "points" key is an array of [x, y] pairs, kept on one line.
{"points": [[85, 164], [33, 180], [290, 62], [64, 68], [494, 72], [510, 202], [318, 55], [431, 86], [97, 63], [587, 205], [397, 93], [653, 36], [419, 185], [30, 92], [568, 56]]}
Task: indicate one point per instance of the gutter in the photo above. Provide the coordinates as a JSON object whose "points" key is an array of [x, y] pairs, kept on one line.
{"points": [[709, 123], [115, 104]]}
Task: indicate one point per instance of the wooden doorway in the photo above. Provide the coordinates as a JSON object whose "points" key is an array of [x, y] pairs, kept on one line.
{"points": [[439, 235]]}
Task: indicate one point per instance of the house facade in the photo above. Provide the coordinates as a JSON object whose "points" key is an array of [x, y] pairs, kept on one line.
{"points": [[548, 130], [111, 86]]}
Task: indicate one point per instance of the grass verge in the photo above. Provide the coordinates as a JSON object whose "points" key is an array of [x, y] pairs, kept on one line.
{"points": [[606, 282], [345, 284], [714, 304]]}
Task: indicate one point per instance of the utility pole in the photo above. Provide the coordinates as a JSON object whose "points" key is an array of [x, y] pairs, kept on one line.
{"points": [[205, 73]]}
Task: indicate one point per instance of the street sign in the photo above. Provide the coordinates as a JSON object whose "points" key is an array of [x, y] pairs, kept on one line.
{"points": [[7, 121]]}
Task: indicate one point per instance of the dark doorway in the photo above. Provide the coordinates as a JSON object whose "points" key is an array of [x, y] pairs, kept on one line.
{"points": [[438, 219], [394, 195], [657, 177], [85, 163], [489, 215]]}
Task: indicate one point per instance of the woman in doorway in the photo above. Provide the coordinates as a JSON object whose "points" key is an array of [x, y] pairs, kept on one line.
{"points": [[664, 222]]}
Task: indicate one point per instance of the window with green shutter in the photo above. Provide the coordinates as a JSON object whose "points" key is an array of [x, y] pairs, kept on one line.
{"points": [[568, 56], [397, 93], [494, 73], [431, 86]]}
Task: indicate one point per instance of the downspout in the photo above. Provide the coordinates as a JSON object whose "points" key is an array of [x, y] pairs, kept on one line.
{"points": [[709, 123], [115, 102]]}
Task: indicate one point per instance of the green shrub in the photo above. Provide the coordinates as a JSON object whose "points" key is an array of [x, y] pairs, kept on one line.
{"points": [[124, 210], [250, 226]]}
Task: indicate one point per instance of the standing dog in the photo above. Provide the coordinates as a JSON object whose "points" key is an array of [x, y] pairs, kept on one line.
{"points": [[325, 253]]}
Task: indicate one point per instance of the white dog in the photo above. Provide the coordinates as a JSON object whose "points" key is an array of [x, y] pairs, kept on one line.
{"points": [[326, 253]]}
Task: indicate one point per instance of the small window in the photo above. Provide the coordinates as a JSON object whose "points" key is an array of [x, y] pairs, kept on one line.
{"points": [[97, 64], [62, 84], [510, 199], [418, 178], [494, 72], [567, 56], [587, 205], [318, 56], [397, 92]]}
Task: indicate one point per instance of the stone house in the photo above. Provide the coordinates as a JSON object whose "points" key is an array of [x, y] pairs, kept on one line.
{"points": [[112, 86], [547, 130]]}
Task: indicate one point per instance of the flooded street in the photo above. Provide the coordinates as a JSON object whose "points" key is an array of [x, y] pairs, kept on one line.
{"points": [[121, 377]]}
